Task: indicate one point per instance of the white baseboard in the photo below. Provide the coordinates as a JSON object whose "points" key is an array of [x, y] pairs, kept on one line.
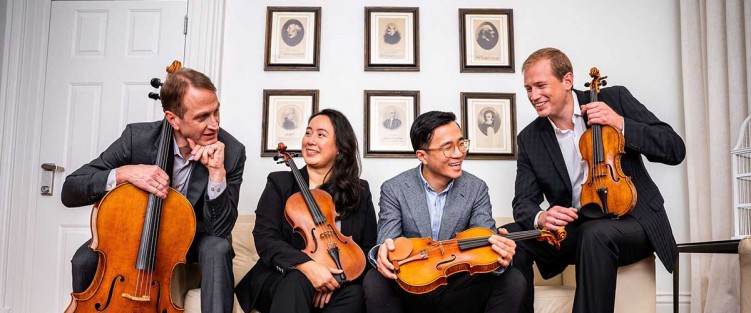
{"points": [[667, 298]]}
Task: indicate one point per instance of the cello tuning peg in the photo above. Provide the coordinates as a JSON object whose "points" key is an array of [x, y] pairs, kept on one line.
{"points": [[154, 95], [156, 82]]}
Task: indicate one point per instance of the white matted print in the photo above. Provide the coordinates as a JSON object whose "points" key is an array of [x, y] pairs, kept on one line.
{"points": [[388, 118], [391, 39], [286, 114], [489, 123], [292, 38], [487, 40]]}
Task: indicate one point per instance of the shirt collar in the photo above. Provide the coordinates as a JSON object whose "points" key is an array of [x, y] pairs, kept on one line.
{"points": [[428, 187], [574, 118], [176, 150]]}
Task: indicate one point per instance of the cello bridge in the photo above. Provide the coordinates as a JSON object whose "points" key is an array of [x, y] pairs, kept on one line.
{"points": [[144, 298]]}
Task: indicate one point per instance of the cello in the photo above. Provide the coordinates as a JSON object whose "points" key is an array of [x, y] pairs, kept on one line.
{"points": [[421, 264], [608, 192], [140, 239], [312, 214]]}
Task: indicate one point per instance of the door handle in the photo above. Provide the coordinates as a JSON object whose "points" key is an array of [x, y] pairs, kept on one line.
{"points": [[48, 177]]}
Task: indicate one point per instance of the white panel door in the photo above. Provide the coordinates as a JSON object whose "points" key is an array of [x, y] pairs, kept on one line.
{"points": [[101, 57]]}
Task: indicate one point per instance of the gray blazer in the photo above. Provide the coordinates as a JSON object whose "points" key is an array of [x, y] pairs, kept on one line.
{"points": [[404, 208]]}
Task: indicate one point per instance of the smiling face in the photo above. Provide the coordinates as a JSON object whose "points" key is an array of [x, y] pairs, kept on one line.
{"points": [[319, 143], [436, 166], [550, 96], [201, 119]]}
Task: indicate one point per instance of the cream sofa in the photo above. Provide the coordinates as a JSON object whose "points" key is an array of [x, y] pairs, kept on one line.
{"points": [[636, 281]]}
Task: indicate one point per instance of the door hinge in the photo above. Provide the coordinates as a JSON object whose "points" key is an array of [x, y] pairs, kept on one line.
{"points": [[185, 26]]}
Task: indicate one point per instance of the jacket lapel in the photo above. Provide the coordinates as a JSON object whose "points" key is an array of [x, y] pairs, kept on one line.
{"points": [[198, 182], [414, 192], [549, 141], [456, 203]]}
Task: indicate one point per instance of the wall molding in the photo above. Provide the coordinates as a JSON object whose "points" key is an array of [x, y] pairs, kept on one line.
{"points": [[205, 39]]}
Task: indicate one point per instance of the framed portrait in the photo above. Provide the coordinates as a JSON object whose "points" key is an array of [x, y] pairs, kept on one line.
{"points": [[293, 37], [392, 40], [388, 117], [486, 40], [489, 122], [285, 117]]}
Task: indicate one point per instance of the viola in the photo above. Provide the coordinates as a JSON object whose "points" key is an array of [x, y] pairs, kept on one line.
{"points": [[608, 192], [312, 214], [140, 239], [422, 264]]}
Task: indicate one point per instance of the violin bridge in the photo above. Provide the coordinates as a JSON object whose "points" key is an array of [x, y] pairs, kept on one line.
{"points": [[144, 298]]}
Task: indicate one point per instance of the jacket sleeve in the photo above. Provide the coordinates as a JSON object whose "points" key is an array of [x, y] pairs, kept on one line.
{"points": [[390, 215], [369, 229], [527, 194], [646, 134], [482, 210], [87, 185], [220, 214], [267, 233]]}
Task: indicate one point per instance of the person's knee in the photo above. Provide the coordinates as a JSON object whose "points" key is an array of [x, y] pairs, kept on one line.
{"points": [[515, 279], [374, 282], [84, 259], [216, 247]]}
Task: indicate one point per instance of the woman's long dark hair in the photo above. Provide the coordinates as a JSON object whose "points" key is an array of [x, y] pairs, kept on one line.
{"points": [[344, 184]]}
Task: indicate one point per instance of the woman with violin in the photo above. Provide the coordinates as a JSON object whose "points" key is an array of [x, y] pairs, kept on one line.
{"points": [[287, 279], [581, 187]]}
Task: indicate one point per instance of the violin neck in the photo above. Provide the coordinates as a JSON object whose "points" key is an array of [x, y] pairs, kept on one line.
{"points": [[598, 152], [471, 243], [149, 235], [315, 211]]}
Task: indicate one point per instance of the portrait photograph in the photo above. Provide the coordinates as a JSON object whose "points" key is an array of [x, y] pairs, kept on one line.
{"points": [[292, 38], [285, 116], [489, 122], [391, 39], [388, 118], [486, 40]]}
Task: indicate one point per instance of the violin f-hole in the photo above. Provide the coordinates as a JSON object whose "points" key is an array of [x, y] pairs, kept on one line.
{"points": [[452, 259]]}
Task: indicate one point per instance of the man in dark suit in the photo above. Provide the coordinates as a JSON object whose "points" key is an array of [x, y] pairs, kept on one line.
{"points": [[206, 166], [438, 199], [549, 164]]}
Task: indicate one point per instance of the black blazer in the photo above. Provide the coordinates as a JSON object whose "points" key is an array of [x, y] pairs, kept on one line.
{"points": [[139, 144], [541, 170], [279, 248]]}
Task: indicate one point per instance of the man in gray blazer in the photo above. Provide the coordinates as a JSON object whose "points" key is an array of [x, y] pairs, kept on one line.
{"points": [[437, 199], [206, 166]]}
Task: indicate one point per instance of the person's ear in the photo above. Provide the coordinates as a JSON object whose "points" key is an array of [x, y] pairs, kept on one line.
{"points": [[172, 119], [422, 156]]}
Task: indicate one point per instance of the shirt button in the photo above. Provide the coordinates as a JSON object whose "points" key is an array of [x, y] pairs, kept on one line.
{"points": [[212, 188]]}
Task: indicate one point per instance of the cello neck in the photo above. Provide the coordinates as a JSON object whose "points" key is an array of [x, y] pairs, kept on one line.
{"points": [[315, 211]]}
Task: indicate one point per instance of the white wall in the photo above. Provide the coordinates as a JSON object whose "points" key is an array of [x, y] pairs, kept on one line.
{"points": [[3, 19], [634, 43]]}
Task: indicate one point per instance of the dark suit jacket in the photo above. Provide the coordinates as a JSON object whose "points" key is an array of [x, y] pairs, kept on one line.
{"points": [[542, 171], [280, 248], [139, 144]]}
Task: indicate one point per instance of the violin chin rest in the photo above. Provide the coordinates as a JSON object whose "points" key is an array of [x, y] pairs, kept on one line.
{"points": [[594, 211]]}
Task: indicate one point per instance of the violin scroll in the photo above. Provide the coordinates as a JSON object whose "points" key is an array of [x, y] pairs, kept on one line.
{"points": [[553, 238]]}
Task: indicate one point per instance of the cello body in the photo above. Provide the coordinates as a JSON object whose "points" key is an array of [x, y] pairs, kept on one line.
{"points": [[116, 226]]}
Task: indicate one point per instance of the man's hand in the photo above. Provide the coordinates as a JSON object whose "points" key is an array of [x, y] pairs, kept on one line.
{"points": [[149, 178], [211, 156], [384, 265], [556, 217], [320, 276], [601, 113], [503, 246]]}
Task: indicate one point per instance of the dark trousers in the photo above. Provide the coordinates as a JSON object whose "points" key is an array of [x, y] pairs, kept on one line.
{"points": [[293, 292], [596, 247], [213, 254], [464, 293]]}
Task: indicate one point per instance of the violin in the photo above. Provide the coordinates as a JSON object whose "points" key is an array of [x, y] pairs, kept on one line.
{"points": [[422, 265], [312, 214], [608, 192], [140, 239]]}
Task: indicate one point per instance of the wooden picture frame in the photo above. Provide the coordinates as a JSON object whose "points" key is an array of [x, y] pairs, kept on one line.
{"points": [[293, 39], [486, 40], [285, 116], [489, 122], [392, 39], [389, 115]]}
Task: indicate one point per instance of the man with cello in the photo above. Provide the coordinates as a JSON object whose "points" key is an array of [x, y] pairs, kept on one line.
{"points": [[437, 199], [205, 165], [549, 164]]}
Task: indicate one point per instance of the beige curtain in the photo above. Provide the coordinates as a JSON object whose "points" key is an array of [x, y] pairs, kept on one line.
{"points": [[715, 47]]}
